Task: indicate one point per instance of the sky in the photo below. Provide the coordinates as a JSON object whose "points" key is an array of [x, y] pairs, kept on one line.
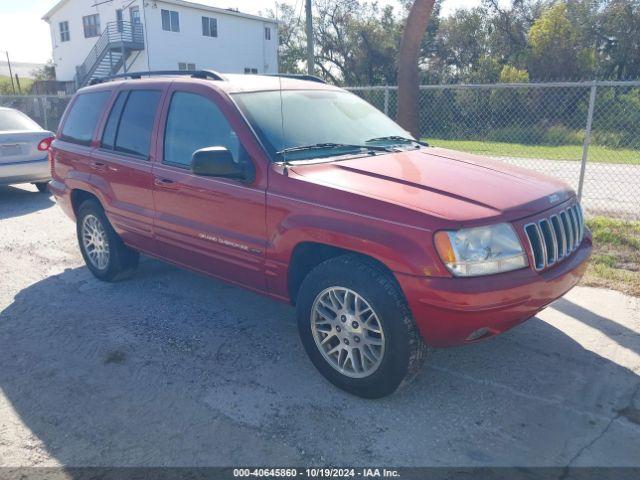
{"points": [[26, 36]]}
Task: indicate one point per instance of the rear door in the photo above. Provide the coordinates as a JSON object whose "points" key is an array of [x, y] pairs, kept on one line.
{"points": [[214, 225], [122, 164]]}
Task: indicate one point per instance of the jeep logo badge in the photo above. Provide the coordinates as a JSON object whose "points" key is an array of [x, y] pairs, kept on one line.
{"points": [[554, 198]]}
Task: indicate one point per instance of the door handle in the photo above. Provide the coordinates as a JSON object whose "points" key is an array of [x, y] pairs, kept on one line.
{"points": [[166, 183], [98, 165]]}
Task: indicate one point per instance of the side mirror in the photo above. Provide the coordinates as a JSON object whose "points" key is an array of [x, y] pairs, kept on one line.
{"points": [[215, 162]]}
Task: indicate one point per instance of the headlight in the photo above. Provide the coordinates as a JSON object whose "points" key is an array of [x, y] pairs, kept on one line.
{"points": [[481, 251]]}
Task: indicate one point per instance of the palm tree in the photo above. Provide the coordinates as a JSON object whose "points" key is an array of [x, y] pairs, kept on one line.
{"points": [[408, 74]]}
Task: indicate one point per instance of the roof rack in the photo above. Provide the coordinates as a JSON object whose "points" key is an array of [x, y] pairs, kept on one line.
{"points": [[298, 76], [213, 75]]}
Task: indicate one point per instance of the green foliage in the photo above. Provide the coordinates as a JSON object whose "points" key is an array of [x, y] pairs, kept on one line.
{"points": [[510, 74], [615, 262], [45, 72], [357, 41], [597, 153], [556, 47], [6, 89]]}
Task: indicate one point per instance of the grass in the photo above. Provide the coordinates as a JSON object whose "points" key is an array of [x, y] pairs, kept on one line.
{"points": [[597, 153], [5, 85], [615, 262]]}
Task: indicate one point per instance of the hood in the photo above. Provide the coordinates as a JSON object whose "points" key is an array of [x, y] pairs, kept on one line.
{"points": [[444, 183]]}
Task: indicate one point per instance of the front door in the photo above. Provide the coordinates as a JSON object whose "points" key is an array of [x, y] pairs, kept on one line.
{"points": [[210, 224]]}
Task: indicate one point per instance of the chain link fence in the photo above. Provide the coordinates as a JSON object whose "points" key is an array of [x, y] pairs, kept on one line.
{"points": [[585, 133], [44, 109]]}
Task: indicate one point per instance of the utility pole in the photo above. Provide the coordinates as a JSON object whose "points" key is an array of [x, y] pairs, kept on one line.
{"points": [[309, 38], [10, 72]]}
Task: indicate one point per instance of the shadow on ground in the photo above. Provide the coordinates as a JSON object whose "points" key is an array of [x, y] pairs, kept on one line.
{"points": [[171, 368], [15, 202]]}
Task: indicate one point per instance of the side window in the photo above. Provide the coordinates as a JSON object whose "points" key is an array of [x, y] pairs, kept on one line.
{"points": [[111, 128], [209, 27], [195, 122], [64, 32], [170, 20], [134, 129], [83, 117], [91, 25]]}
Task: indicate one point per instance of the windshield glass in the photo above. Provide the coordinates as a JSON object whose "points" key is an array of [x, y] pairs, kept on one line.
{"points": [[316, 117], [13, 120]]}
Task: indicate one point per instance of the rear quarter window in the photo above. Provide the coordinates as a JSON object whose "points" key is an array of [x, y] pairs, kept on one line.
{"points": [[83, 117]]}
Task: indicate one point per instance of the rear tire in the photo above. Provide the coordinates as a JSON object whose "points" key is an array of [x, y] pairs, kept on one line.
{"points": [[43, 187], [383, 347], [108, 258]]}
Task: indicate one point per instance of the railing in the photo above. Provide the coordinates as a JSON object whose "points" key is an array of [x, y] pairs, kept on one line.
{"points": [[120, 33]]}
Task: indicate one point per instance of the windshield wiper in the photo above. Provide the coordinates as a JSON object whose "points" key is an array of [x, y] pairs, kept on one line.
{"points": [[331, 146], [397, 139]]}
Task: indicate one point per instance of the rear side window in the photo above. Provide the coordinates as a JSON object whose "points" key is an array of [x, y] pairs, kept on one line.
{"points": [[83, 117], [130, 122], [195, 122]]}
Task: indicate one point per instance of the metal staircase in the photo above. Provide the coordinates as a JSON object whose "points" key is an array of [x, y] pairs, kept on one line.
{"points": [[118, 42]]}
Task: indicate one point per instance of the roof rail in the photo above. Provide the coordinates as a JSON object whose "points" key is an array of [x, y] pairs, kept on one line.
{"points": [[298, 76], [213, 75]]}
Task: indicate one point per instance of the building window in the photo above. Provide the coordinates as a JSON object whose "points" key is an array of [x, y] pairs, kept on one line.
{"points": [[91, 25], [267, 33], [183, 66], [209, 27], [64, 32], [170, 20], [134, 15], [253, 71]]}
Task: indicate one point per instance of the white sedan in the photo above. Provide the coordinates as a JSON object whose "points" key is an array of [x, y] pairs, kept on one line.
{"points": [[24, 149]]}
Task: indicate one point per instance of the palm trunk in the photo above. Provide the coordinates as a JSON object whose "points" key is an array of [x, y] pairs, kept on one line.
{"points": [[408, 73]]}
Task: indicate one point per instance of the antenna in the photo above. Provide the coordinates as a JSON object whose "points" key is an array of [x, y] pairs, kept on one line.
{"points": [[284, 154]]}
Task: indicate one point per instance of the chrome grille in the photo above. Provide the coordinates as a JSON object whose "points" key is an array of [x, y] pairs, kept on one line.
{"points": [[554, 238]]}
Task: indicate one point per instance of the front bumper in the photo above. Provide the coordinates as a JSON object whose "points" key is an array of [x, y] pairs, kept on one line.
{"points": [[23, 172], [448, 310]]}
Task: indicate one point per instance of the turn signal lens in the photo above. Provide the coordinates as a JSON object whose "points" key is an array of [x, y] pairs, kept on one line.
{"points": [[445, 250]]}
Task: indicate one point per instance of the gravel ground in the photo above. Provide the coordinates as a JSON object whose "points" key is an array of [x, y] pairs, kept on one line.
{"points": [[172, 368]]}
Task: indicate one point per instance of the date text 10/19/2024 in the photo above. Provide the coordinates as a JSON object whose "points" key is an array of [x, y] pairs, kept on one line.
{"points": [[316, 472]]}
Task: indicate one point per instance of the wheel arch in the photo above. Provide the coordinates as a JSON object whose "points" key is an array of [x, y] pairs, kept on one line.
{"points": [[307, 255], [79, 196]]}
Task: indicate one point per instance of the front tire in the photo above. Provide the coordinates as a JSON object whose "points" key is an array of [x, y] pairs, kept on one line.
{"points": [[108, 258], [356, 327]]}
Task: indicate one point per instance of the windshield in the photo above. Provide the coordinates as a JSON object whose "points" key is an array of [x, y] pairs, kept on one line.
{"points": [[316, 118], [13, 120]]}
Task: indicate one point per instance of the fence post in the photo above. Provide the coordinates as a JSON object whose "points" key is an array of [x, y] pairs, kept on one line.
{"points": [[587, 137], [386, 100], [43, 108]]}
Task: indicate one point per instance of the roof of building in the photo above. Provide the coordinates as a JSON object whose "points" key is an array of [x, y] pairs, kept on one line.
{"points": [[181, 3]]}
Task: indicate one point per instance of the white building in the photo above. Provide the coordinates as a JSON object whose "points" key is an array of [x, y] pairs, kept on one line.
{"points": [[92, 37]]}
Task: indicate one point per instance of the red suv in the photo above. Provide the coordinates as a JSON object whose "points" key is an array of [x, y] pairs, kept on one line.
{"points": [[304, 192]]}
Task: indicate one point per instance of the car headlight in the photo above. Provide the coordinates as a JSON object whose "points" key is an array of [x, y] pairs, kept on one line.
{"points": [[481, 251]]}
